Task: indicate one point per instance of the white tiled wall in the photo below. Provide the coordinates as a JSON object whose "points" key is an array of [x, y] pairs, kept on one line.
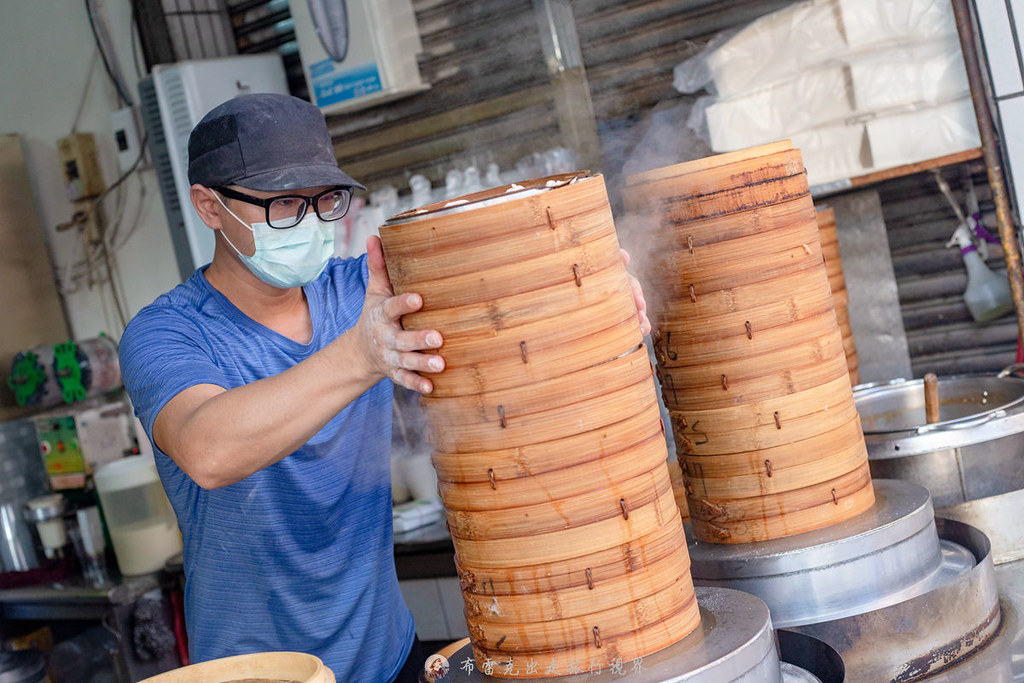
{"points": [[436, 605], [1001, 24]]}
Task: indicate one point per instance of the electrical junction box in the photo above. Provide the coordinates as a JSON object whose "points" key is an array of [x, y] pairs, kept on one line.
{"points": [[356, 53], [80, 164], [126, 138]]}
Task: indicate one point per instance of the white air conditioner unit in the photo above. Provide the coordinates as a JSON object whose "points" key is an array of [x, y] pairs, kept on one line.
{"points": [[357, 52], [173, 100]]}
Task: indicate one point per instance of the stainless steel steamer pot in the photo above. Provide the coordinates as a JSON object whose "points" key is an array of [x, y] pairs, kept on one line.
{"points": [[976, 450]]}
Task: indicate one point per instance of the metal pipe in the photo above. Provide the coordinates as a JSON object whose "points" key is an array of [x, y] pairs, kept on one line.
{"points": [[990, 151]]}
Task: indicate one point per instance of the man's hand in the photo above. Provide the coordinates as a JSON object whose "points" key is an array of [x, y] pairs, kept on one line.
{"points": [[389, 350], [638, 296]]}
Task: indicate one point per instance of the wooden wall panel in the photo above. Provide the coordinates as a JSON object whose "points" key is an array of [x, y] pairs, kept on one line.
{"points": [[30, 305]]}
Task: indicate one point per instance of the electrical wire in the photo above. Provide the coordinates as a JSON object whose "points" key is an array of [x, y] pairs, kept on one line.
{"points": [[122, 92], [85, 91]]}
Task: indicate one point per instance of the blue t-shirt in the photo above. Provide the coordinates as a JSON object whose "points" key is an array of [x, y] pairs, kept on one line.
{"points": [[297, 556]]}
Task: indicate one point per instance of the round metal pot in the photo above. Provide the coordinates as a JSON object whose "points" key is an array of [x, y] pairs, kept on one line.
{"points": [[972, 460]]}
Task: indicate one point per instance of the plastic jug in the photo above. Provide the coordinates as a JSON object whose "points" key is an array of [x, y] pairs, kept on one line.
{"points": [[141, 522]]}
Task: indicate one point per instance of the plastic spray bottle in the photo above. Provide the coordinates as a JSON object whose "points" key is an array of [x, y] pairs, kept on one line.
{"points": [[987, 294]]}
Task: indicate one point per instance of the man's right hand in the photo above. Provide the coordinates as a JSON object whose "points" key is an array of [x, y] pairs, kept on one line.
{"points": [[388, 350]]}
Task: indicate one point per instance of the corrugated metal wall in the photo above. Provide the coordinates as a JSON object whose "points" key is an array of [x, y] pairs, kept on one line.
{"points": [[941, 335], [491, 100]]}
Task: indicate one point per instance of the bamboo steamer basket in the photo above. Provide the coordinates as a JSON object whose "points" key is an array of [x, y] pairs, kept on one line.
{"points": [[646, 626], [548, 443], [275, 666], [752, 358], [675, 473], [535, 459], [834, 267], [587, 570]]}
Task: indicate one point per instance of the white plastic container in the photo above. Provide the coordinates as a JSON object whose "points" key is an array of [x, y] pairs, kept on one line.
{"points": [[139, 517]]}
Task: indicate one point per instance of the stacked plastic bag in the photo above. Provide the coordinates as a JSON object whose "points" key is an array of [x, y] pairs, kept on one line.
{"points": [[858, 85]]}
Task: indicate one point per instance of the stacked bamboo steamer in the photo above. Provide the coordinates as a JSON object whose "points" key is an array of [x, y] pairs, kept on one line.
{"points": [[549, 448], [750, 356], [834, 269]]}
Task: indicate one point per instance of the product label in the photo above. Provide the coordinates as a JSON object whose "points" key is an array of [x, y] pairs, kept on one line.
{"points": [[331, 87]]}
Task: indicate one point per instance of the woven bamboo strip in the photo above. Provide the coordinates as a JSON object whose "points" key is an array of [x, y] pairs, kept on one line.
{"points": [[704, 438], [731, 392], [524, 275], [462, 350], [507, 405], [568, 512], [772, 460], [743, 271], [699, 330], [694, 234], [579, 631], [536, 428], [698, 166], [569, 543], [674, 295], [675, 473], [745, 342], [521, 309], [578, 600], [529, 365], [428, 229], [779, 177], [667, 541], [595, 475], [601, 654], [536, 459], [794, 512], [829, 465], [775, 412], [735, 254], [817, 343]]}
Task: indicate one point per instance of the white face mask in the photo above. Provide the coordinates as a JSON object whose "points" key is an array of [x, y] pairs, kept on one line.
{"points": [[287, 258]]}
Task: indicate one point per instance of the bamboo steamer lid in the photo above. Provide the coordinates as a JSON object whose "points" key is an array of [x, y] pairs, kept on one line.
{"points": [[753, 361], [549, 447]]}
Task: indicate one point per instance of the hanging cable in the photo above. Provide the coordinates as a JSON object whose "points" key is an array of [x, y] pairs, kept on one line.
{"points": [[122, 92]]}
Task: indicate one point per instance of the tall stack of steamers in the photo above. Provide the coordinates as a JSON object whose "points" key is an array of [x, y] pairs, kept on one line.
{"points": [[551, 457]]}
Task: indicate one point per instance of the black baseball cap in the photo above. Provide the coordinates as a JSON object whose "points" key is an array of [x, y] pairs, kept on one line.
{"points": [[264, 141]]}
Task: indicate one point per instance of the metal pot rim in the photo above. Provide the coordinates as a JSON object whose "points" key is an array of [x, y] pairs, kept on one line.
{"points": [[996, 422]]}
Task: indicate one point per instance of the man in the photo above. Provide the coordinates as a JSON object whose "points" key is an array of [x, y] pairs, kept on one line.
{"points": [[262, 382]]}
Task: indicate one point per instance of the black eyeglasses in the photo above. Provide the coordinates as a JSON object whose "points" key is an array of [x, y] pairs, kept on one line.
{"points": [[286, 210]]}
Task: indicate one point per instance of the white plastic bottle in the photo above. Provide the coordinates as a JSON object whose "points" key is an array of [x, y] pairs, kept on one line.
{"points": [[987, 294]]}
